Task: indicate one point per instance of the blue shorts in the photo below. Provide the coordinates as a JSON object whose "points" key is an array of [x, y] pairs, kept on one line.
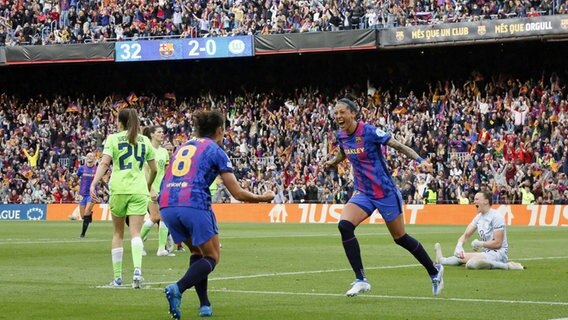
{"points": [[189, 223], [85, 200], [389, 207]]}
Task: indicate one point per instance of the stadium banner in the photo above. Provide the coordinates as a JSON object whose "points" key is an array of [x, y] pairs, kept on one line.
{"points": [[512, 29], [183, 49], [32, 212], [316, 42], [517, 215], [2, 56], [60, 53]]}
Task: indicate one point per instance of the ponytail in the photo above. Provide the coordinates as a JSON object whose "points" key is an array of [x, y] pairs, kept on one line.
{"points": [[129, 120]]}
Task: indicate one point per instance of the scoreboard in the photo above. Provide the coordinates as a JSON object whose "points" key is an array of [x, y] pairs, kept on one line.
{"points": [[186, 48]]}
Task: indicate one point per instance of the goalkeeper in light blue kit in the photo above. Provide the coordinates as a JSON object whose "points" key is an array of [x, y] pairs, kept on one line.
{"points": [[492, 247], [185, 203]]}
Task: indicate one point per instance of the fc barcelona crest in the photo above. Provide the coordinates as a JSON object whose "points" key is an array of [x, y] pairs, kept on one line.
{"points": [[564, 24], [167, 50], [399, 35], [481, 30]]}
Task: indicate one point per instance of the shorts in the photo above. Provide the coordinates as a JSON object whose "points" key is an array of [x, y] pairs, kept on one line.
{"points": [[389, 207], [496, 255], [190, 223], [85, 200], [122, 205]]}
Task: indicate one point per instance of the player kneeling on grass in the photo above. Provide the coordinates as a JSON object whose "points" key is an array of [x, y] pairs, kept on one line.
{"points": [[491, 250]]}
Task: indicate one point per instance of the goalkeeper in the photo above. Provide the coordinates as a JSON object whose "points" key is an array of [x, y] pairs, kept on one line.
{"points": [[490, 250]]}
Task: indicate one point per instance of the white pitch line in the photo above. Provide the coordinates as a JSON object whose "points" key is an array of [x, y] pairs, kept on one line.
{"points": [[368, 296], [551, 303], [292, 273]]}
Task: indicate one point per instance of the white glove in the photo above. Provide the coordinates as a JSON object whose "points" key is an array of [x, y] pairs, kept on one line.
{"points": [[477, 244], [458, 251]]}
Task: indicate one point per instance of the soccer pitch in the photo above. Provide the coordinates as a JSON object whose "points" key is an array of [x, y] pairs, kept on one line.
{"points": [[277, 271]]}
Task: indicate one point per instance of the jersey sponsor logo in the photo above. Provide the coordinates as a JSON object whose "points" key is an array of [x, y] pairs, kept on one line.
{"points": [[354, 150], [182, 184], [380, 133]]}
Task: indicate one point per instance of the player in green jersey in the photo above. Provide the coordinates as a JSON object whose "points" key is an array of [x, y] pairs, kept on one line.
{"points": [[156, 136], [129, 188]]}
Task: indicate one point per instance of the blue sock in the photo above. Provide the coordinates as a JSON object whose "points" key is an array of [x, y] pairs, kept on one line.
{"points": [[196, 273], [201, 287], [351, 246], [417, 250]]}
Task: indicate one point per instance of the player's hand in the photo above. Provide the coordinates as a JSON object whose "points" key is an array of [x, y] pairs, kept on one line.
{"points": [[425, 166], [153, 195], [458, 251], [330, 164], [268, 196], [476, 244], [93, 193]]}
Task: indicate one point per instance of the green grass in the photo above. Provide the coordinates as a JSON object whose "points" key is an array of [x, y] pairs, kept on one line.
{"points": [[295, 272]]}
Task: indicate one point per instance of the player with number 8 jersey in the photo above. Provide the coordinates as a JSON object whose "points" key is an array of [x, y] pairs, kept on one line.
{"points": [[185, 204], [188, 178]]}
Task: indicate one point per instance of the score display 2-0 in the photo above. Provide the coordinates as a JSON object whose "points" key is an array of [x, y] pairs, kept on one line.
{"points": [[187, 48]]}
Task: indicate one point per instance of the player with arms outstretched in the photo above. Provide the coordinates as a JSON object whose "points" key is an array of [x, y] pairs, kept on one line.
{"points": [[361, 144], [185, 203]]}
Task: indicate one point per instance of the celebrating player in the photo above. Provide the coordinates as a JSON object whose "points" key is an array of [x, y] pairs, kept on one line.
{"points": [[361, 144], [185, 202], [129, 189], [493, 245]]}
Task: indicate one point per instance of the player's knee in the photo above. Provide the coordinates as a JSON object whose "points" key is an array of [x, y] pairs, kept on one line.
{"points": [[346, 228], [477, 264]]}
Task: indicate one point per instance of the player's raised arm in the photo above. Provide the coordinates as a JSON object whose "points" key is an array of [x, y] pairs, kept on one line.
{"points": [[339, 157], [230, 181], [424, 165]]}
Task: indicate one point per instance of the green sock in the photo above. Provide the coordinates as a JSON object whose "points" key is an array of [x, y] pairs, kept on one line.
{"points": [[137, 247], [116, 254], [163, 236], [146, 229]]}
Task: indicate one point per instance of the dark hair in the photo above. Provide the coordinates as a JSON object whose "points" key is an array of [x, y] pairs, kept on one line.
{"points": [[350, 103], [207, 122], [129, 120], [488, 195], [149, 130]]}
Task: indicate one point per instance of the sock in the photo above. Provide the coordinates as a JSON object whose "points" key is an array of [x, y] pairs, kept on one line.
{"points": [[201, 287], [196, 273], [480, 264], [162, 236], [450, 261], [351, 246], [417, 250], [86, 221], [148, 224], [116, 254], [137, 247]]}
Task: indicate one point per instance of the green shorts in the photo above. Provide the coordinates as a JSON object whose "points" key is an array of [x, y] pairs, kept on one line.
{"points": [[122, 205]]}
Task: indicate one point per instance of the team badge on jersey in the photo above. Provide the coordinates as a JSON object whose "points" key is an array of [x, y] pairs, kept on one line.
{"points": [[380, 133]]}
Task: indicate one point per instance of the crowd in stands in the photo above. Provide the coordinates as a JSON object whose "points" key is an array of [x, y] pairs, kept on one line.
{"points": [[79, 21], [489, 132]]}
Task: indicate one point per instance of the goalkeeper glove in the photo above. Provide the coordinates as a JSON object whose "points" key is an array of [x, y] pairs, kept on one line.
{"points": [[458, 251], [477, 244]]}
